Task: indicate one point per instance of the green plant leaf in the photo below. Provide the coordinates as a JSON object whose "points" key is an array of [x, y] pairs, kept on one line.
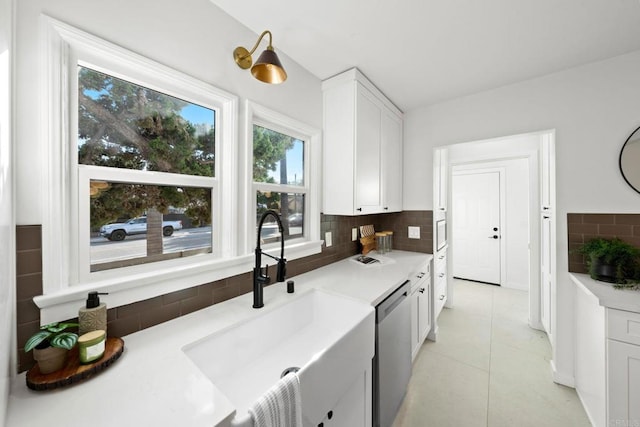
{"points": [[36, 339], [54, 327], [64, 340]]}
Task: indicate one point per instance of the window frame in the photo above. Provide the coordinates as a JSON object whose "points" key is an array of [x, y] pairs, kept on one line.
{"points": [[65, 195], [309, 243]]}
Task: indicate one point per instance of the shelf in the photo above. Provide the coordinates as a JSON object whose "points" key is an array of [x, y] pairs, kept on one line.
{"points": [[74, 371]]}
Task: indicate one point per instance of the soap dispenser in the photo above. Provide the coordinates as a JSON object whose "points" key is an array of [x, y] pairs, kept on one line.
{"points": [[93, 316]]}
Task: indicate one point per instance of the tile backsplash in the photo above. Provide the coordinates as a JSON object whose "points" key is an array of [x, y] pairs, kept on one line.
{"points": [[134, 317], [583, 227]]}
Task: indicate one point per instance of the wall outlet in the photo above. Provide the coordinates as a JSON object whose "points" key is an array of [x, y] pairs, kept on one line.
{"points": [[327, 239], [414, 232], [354, 234]]}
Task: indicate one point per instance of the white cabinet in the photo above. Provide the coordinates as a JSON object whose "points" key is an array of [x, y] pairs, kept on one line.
{"points": [[391, 160], [421, 317], [623, 367], [547, 173], [546, 275], [440, 281], [362, 148], [440, 183], [607, 353]]}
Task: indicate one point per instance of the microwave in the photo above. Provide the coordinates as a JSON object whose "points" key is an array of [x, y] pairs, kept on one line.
{"points": [[441, 234]]}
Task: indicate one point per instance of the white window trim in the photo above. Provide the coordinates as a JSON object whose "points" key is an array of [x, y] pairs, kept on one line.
{"points": [[263, 116], [63, 46]]}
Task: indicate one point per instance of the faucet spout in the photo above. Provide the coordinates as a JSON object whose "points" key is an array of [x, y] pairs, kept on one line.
{"points": [[259, 278]]}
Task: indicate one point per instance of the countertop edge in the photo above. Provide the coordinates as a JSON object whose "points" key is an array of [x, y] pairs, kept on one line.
{"points": [[607, 295]]}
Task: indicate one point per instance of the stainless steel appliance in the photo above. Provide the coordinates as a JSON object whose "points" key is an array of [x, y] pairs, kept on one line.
{"points": [[392, 362]]}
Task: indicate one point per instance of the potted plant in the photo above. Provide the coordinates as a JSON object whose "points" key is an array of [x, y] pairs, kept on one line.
{"points": [[51, 344], [611, 260]]}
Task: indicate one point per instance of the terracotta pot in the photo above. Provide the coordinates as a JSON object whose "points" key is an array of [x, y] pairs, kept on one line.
{"points": [[50, 359]]}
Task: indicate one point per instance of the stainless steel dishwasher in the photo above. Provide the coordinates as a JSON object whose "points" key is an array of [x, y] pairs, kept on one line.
{"points": [[392, 362]]}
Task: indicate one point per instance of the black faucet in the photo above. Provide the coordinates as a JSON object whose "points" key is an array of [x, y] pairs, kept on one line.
{"points": [[260, 279]]}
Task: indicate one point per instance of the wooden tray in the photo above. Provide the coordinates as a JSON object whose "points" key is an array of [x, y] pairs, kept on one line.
{"points": [[74, 372]]}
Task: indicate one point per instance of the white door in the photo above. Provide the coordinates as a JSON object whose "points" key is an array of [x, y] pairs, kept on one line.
{"points": [[476, 226]]}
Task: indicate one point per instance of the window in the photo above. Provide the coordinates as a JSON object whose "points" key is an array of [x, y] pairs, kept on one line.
{"points": [[278, 166], [122, 125], [140, 172], [283, 179]]}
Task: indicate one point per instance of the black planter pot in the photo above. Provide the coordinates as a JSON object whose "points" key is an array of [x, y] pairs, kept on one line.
{"points": [[601, 271]]}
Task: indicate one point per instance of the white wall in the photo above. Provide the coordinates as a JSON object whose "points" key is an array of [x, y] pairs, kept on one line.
{"points": [[516, 231], [192, 36], [7, 226], [593, 109]]}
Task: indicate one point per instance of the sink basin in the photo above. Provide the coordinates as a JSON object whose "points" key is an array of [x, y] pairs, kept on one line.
{"points": [[329, 337]]}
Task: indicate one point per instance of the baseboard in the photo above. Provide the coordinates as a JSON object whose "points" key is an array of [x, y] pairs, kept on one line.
{"points": [[586, 409], [537, 325], [563, 379], [433, 333]]}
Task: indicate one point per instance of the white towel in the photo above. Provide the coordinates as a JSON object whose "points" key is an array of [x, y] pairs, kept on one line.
{"points": [[280, 406]]}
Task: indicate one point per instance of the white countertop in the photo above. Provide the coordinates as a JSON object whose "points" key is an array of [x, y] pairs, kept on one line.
{"points": [[608, 296], [155, 383]]}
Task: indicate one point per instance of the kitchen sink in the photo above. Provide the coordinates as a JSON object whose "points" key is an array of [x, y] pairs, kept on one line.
{"points": [[329, 338]]}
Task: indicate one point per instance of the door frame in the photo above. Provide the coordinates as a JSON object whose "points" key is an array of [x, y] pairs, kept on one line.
{"points": [[456, 170], [535, 178]]}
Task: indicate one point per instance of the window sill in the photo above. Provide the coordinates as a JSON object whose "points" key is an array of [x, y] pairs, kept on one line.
{"points": [[64, 304]]}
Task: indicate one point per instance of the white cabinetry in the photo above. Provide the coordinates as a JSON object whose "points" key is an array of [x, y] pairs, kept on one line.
{"points": [[607, 352], [623, 367], [439, 281], [546, 275], [547, 228], [362, 147], [421, 316], [441, 169]]}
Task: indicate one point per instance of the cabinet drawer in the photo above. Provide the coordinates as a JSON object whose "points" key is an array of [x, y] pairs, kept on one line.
{"points": [[623, 326]]}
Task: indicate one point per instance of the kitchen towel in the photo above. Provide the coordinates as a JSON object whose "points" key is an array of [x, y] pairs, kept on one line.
{"points": [[280, 406]]}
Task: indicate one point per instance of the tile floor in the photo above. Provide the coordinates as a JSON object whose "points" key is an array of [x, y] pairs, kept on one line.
{"points": [[488, 368]]}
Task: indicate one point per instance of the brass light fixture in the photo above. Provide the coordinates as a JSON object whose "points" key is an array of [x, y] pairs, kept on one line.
{"points": [[268, 68]]}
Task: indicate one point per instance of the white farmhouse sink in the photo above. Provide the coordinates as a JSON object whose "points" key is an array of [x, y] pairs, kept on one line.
{"points": [[331, 338]]}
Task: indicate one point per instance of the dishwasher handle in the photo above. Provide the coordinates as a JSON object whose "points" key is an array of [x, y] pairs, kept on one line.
{"points": [[392, 301]]}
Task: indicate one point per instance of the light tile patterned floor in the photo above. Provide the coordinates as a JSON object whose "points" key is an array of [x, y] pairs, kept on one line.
{"points": [[488, 368]]}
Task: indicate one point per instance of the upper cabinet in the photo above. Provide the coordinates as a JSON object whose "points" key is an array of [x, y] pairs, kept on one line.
{"points": [[440, 167], [547, 173], [362, 147]]}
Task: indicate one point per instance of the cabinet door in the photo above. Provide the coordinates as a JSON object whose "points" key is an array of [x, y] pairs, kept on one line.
{"points": [[391, 161], [339, 151], [440, 166], [440, 280], [424, 311], [547, 172], [415, 323], [368, 149], [545, 273], [623, 383]]}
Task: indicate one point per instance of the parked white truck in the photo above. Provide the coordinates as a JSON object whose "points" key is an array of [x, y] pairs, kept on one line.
{"points": [[119, 230]]}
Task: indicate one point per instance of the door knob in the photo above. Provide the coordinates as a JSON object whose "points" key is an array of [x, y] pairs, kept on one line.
{"points": [[495, 236], [495, 228]]}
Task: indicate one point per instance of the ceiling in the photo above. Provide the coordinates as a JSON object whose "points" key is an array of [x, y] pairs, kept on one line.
{"points": [[420, 52]]}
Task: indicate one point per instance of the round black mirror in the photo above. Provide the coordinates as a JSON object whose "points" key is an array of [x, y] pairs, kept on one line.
{"points": [[630, 160]]}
